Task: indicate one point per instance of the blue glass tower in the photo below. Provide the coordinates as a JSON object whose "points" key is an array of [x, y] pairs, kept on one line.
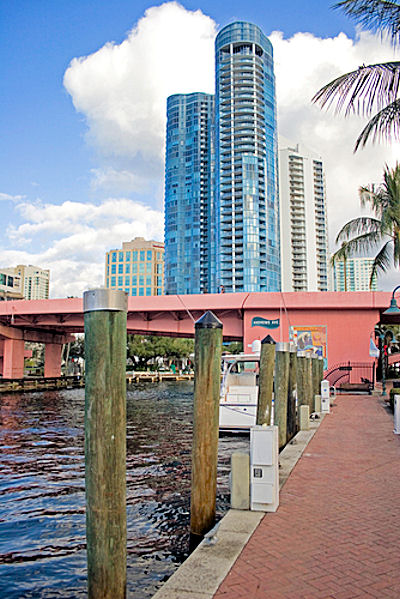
{"points": [[189, 194], [246, 199]]}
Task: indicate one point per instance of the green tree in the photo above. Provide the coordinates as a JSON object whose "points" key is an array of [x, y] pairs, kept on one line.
{"points": [[366, 233], [144, 348], [372, 89]]}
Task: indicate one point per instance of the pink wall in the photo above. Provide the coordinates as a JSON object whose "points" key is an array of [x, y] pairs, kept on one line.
{"points": [[52, 360]]}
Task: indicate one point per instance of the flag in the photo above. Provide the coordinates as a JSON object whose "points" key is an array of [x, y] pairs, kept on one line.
{"points": [[373, 350]]}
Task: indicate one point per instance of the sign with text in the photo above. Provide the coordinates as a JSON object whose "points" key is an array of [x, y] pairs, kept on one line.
{"points": [[268, 323]]}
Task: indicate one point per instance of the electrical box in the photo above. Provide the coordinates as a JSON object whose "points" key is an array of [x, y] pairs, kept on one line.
{"points": [[396, 406], [325, 400], [264, 468]]}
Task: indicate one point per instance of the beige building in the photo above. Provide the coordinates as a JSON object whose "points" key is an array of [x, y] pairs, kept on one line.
{"points": [[10, 286], [34, 280], [137, 268], [354, 274]]}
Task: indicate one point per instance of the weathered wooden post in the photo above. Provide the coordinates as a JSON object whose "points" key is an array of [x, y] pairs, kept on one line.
{"points": [[266, 381], [301, 379], [292, 393], [105, 442], [321, 372], [281, 384], [315, 370], [309, 384], [207, 381]]}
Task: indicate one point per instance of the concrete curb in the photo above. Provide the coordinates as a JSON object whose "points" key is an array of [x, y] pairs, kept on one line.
{"points": [[200, 576]]}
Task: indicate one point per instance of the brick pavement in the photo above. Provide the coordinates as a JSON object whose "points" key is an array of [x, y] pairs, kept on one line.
{"points": [[336, 534]]}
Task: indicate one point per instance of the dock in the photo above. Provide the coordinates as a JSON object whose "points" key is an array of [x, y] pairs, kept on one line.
{"points": [[158, 377], [40, 384]]}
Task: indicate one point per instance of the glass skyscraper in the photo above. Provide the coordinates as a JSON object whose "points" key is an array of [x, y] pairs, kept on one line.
{"points": [[247, 209], [222, 228], [189, 194]]}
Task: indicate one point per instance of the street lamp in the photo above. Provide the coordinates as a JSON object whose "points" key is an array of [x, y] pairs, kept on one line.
{"points": [[393, 308]]}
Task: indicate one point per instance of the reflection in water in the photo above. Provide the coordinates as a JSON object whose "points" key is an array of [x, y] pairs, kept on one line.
{"points": [[42, 494]]}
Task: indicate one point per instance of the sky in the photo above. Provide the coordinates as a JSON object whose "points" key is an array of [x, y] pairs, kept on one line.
{"points": [[82, 119]]}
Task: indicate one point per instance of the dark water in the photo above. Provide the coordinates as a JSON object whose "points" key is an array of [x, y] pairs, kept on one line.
{"points": [[42, 494]]}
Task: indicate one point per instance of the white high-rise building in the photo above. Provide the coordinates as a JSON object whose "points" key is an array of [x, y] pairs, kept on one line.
{"points": [[354, 274], [34, 280], [303, 219]]}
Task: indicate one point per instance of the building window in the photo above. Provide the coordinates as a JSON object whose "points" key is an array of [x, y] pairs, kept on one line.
{"points": [[159, 269], [148, 280], [127, 268], [134, 268], [120, 269], [127, 281], [148, 290], [126, 290], [149, 252], [142, 253], [141, 281], [148, 266], [112, 281], [134, 256], [128, 256], [120, 256], [114, 257], [134, 281], [159, 281], [108, 258], [113, 269], [141, 291], [142, 266], [120, 283], [134, 291]]}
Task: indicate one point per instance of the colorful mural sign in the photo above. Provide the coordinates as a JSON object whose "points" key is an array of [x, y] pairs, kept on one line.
{"points": [[311, 339], [267, 323]]}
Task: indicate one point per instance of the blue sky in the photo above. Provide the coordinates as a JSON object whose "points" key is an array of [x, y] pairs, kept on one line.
{"points": [[81, 172]]}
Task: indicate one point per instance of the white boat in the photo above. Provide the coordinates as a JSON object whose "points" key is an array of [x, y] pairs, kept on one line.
{"points": [[239, 392]]}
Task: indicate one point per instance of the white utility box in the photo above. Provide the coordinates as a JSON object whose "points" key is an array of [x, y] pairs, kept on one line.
{"points": [[396, 415], [264, 468], [325, 401]]}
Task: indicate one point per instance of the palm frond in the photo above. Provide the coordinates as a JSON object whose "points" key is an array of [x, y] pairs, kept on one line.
{"points": [[360, 226], [385, 125], [356, 246], [378, 16], [362, 91], [396, 249], [382, 261]]}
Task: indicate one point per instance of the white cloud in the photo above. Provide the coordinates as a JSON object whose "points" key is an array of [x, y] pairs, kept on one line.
{"points": [[122, 89], [71, 239], [6, 197]]}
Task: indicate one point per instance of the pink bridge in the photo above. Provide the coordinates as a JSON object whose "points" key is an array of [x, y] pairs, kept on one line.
{"points": [[341, 322]]}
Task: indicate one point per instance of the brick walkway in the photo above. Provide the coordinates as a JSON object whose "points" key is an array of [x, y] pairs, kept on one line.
{"points": [[337, 531]]}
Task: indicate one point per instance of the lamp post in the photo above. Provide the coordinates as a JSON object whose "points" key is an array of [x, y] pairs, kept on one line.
{"points": [[393, 310]]}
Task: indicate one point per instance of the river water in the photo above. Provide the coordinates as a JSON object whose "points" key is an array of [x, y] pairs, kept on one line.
{"points": [[42, 493]]}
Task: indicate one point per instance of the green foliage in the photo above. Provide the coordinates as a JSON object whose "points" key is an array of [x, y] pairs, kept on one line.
{"points": [[235, 347], [149, 347], [77, 348], [381, 232], [371, 88]]}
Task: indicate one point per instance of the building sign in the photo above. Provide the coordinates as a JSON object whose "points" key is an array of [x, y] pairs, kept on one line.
{"points": [[267, 323], [311, 339]]}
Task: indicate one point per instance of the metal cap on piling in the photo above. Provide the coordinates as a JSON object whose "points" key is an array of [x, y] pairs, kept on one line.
{"points": [[268, 339], [282, 346], [208, 321], [95, 300], [292, 348], [301, 354]]}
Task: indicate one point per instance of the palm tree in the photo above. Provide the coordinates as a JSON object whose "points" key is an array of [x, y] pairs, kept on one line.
{"points": [[371, 231], [374, 87]]}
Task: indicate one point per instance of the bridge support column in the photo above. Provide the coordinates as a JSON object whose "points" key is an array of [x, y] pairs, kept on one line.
{"points": [[52, 360], [13, 358]]}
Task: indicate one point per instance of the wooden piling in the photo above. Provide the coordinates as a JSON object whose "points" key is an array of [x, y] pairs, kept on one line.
{"points": [[309, 384], [105, 442], [266, 381], [281, 385], [315, 371], [292, 393], [208, 347], [302, 382]]}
